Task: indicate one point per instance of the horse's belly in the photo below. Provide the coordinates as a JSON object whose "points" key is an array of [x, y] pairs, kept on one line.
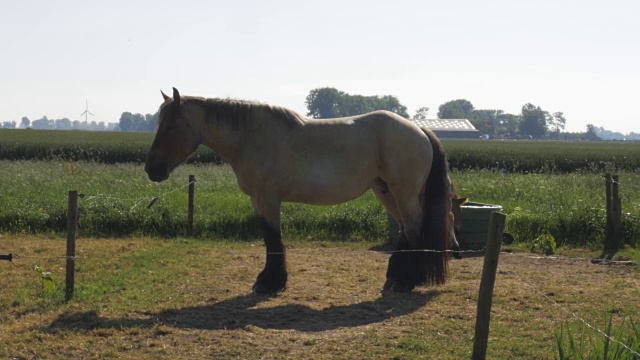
{"points": [[319, 195], [327, 188]]}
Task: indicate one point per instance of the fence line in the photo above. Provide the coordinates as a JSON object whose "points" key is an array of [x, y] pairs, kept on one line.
{"points": [[555, 303], [631, 216], [140, 200], [384, 252]]}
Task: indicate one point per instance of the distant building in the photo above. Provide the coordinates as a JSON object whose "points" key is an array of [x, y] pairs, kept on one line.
{"points": [[449, 128]]}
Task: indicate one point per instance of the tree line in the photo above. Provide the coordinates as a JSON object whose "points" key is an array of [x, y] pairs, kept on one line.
{"points": [[127, 122], [532, 122], [326, 102], [44, 123]]}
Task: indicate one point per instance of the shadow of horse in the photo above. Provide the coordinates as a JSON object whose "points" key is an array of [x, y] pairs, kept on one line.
{"points": [[241, 311]]}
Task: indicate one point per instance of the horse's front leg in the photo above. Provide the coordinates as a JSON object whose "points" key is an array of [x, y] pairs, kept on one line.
{"points": [[274, 276]]}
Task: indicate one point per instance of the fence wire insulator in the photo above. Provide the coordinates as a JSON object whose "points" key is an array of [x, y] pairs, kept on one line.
{"points": [[8, 257], [153, 201]]}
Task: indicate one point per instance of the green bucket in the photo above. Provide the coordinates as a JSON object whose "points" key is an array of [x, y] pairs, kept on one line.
{"points": [[475, 225]]}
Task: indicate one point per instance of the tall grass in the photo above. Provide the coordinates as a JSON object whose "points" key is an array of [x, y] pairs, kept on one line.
{"points": [[116, 199], [579, 342], [571, 207]]}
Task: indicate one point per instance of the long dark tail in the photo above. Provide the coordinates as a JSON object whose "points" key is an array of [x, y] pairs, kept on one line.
{"points": [[436, 206]]}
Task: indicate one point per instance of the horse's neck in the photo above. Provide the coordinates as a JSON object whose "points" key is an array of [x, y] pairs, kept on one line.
{"points": [[242, 132], [217, 136], [223, 143]]}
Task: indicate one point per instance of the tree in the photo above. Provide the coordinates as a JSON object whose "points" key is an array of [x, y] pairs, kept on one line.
{"points": [[9, 125], [126, 121], [25, 122], [42, 123], [325, 103], [534, 121], [456, 109], [486, 121], [151, 121], [131, 122], [390, 103], [63, 124], [556, 123], [591, 133], [508, 124], [421, 113]]}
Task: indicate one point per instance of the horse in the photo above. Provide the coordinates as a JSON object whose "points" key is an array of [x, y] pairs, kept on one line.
{"points": [[280, 156], [456, 220]]}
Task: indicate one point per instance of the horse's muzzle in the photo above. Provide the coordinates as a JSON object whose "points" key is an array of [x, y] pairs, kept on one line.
{"points": [[156, 172]]}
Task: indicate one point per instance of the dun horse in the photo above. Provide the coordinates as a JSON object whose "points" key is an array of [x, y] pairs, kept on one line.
{"points": [[279, 156]]}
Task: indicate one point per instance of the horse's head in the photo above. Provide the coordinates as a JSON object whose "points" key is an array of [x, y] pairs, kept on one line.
{"points": [[456, 208], [175, 140]]}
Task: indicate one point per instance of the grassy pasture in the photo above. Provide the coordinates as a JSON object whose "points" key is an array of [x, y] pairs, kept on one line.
{"points": [[34, 200], [152, 294], [184, 298]]}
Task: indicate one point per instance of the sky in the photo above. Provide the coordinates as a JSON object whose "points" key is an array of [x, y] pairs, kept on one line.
{"points": [[581, 58]]}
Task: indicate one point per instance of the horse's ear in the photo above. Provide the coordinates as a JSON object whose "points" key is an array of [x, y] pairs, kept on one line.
{"points": [[164, 96], [176, 96]]}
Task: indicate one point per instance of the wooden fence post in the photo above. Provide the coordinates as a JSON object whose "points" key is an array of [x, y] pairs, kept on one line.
{"points": [[192, 180], [613, 228], [485, 294], [616, 210], [72, 225], [608, 231]]}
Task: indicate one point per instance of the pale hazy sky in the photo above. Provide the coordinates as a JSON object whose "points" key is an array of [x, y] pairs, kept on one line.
{"points": [[578, 57]]}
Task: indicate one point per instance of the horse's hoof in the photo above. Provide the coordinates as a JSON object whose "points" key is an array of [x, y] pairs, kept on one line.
{"points": [[269, 285], [392, 285], [263, 290]]}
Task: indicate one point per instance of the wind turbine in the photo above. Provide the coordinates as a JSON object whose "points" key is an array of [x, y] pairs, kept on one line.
{"points": [[86, 112]]}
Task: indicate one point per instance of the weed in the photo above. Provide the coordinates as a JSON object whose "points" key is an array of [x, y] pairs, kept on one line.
{"points": [[48, 285], [544, 244]]}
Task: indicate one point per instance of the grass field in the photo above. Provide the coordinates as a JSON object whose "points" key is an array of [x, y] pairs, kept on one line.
{"points": [[569, 206]]}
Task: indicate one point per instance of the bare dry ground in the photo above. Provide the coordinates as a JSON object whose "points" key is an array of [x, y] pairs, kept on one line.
{"points": [[180, 299]]}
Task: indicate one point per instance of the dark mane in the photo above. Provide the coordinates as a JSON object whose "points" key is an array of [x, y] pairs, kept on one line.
{"points": [[238, 114]]}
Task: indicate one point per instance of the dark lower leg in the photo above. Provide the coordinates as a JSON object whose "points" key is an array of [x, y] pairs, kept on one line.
{"points": [[274, 276], [398, 272]]}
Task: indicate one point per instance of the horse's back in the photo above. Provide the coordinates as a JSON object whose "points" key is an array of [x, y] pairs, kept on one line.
{"points": [[380, 144], [335, 160]]}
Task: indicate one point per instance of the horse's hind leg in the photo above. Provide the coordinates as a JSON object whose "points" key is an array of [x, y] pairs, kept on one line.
{"points": [[399, 260], [403, 273], [381, 191], [274, 276]]}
